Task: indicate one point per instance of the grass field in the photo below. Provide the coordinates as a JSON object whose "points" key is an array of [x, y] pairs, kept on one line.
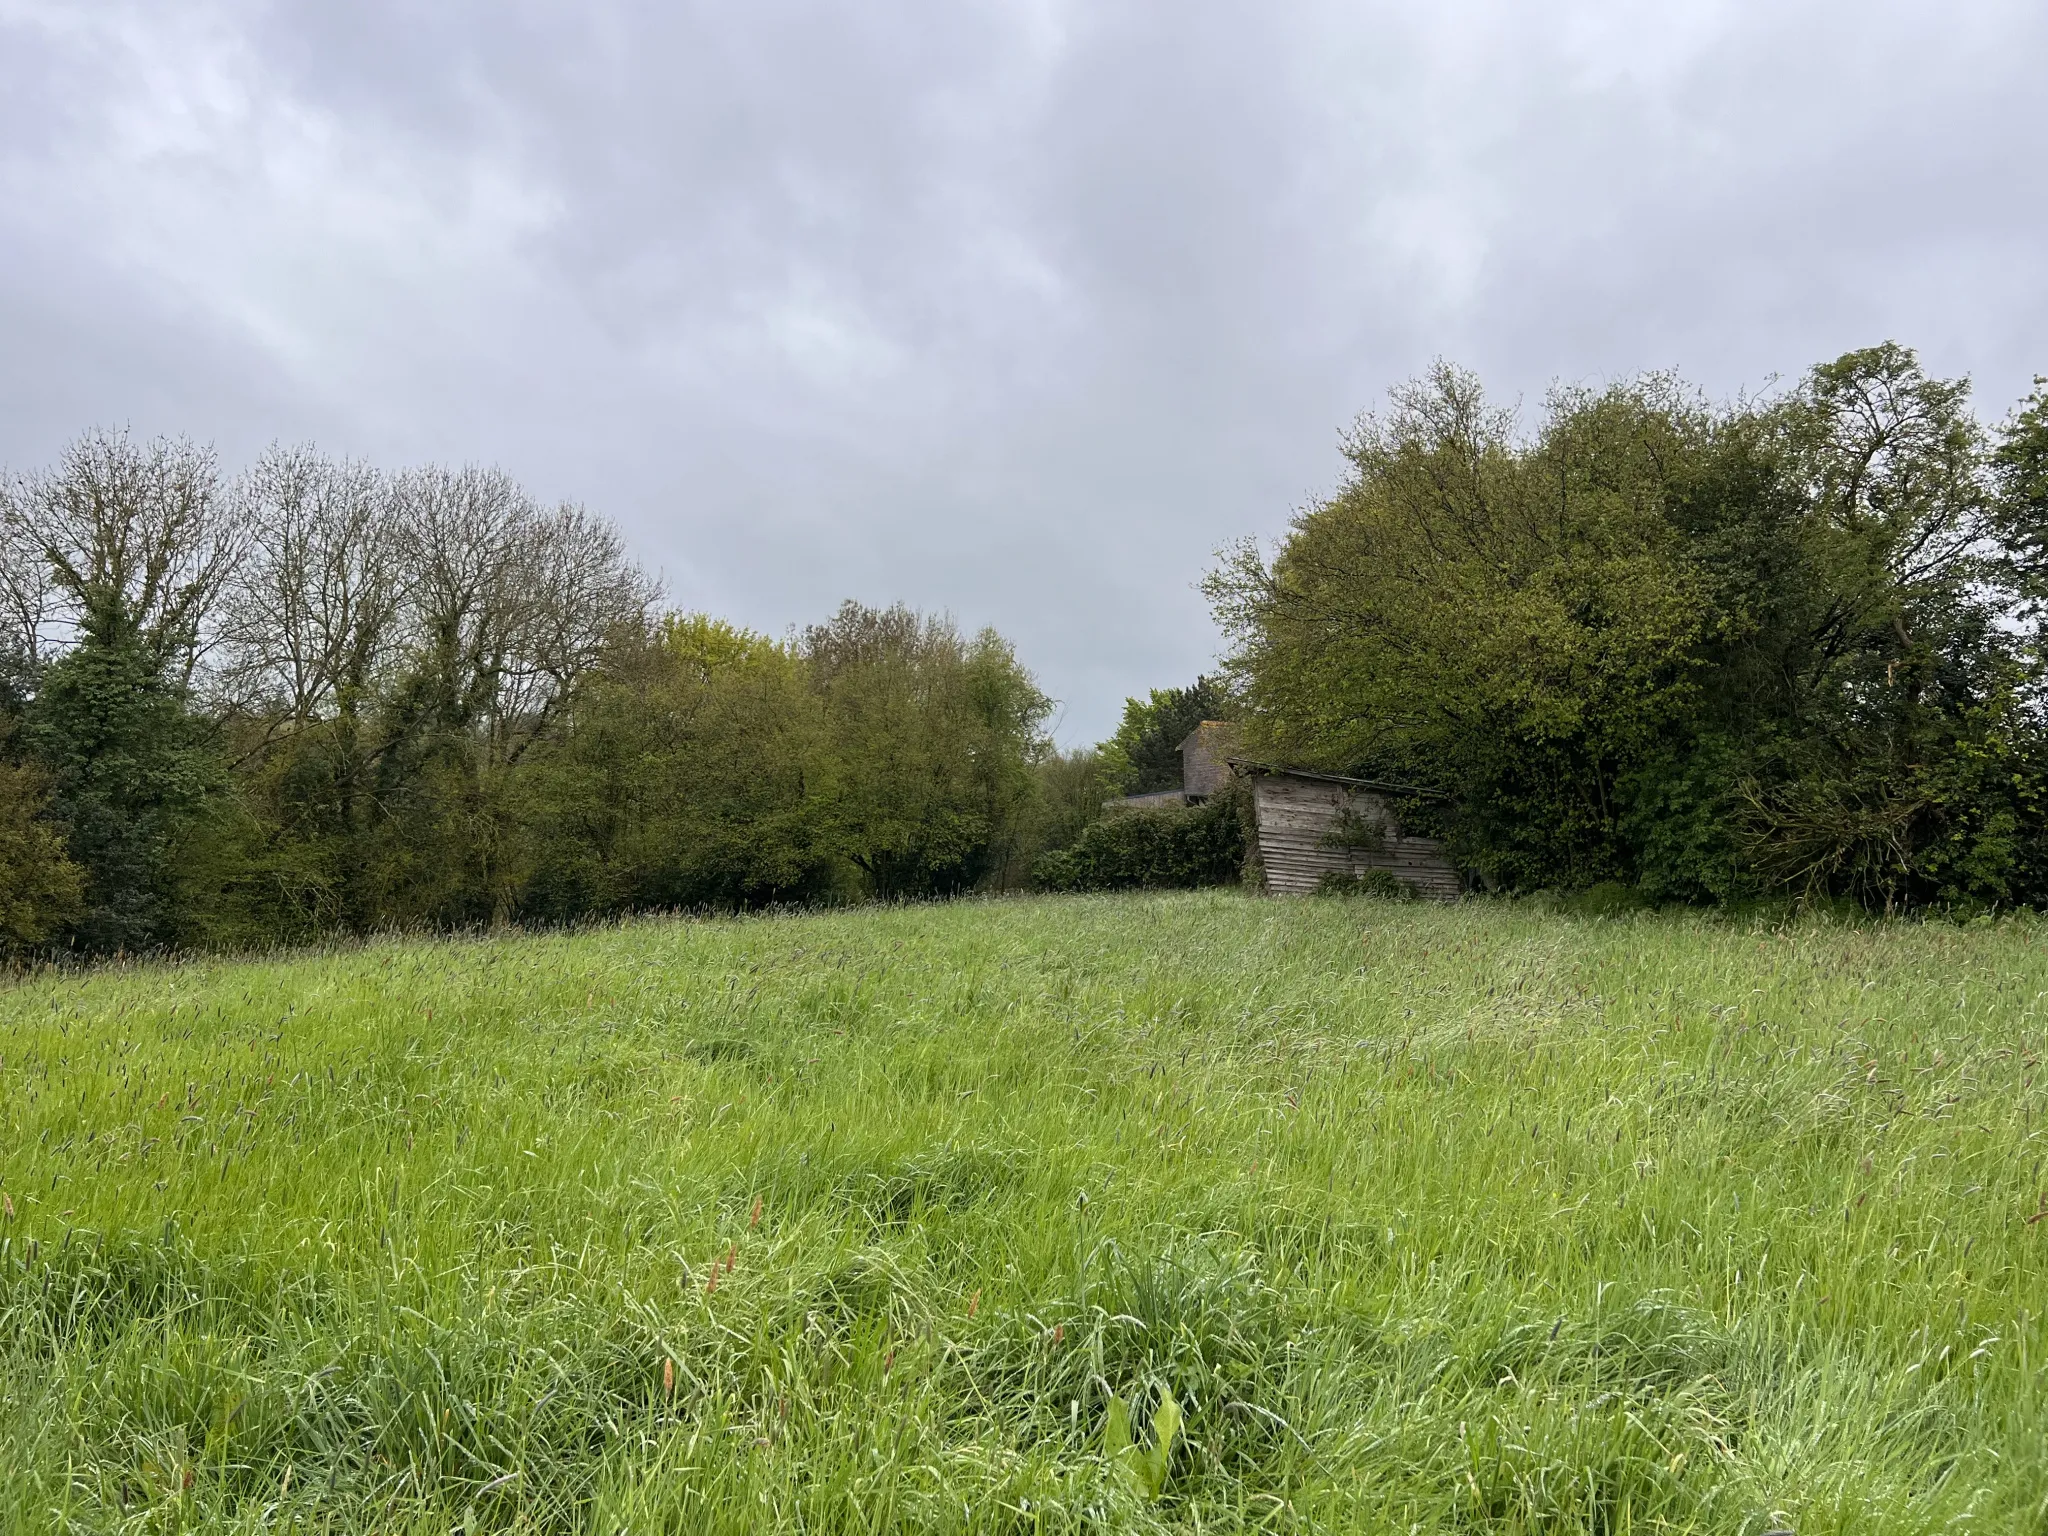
{"points": [[1474, 1218]]}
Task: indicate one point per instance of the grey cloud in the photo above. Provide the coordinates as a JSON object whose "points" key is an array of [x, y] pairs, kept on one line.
{"points": [[1014, 309]]}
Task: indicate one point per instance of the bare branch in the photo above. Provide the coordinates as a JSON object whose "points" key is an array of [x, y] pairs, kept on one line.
{"points": [[138, 542]]}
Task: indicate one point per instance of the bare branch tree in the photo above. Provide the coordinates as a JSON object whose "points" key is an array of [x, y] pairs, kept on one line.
{"points": [[138, 541], [24, 596], [510, 603], [579, 588], [316, 606], [460, 533]]}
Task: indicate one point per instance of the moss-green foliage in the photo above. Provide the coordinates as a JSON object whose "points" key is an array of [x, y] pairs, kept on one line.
{"points": [[1165, 848], [927, 783], [1785, 645], [120, 546], [1443, 1218], [683, 778], [703, 765], [1379, 884], [131, 774], [40, 888]]}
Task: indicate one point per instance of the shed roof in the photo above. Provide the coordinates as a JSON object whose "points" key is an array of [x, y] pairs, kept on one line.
{"points": [[1248, 765]]}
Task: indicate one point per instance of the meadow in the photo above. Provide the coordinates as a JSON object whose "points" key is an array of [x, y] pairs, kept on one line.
{"points": [[1486, 1217]]}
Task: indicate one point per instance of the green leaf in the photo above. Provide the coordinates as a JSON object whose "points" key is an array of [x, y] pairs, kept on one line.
{"points": [[1116, 1433], [1165, 1429]]}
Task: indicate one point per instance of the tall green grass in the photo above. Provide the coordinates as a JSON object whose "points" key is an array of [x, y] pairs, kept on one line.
{"points": [[1426, 1219]]}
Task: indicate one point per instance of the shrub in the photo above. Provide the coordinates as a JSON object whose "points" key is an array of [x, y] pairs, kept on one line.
{"points": [[1381, 884], [1609, 898], [40, 888], [1174, 847]]}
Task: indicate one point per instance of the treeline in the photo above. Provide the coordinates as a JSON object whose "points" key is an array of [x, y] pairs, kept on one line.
{"points": [[315, 698], [1710, 652]]}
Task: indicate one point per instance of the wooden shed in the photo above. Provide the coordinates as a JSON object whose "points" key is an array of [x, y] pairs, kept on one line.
{"points": [[1309, 825], [1315, 824]]}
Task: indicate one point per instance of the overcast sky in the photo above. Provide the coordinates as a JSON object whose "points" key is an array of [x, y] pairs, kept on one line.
{"points": [[1017, 310]]}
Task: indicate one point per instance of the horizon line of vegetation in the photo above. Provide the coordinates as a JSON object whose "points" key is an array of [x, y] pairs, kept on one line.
{"points": [[1784, 648]]}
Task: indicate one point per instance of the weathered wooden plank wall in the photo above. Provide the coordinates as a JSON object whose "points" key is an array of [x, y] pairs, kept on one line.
{"points": [[1297, 817]]}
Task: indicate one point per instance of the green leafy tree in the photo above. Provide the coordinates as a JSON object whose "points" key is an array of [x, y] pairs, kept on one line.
{"points": [[1144, 754], [137, 543], [683, 777], [1511, 622], [1904, 662], [131, 771], [1788, 644], [2020, 501], [931, 737]]}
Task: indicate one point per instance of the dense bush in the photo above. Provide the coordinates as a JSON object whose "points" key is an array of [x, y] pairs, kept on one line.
{"points": [[1168, 847], [41, 889], [1791, 644], [1069, 796], [1380, 884]]}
